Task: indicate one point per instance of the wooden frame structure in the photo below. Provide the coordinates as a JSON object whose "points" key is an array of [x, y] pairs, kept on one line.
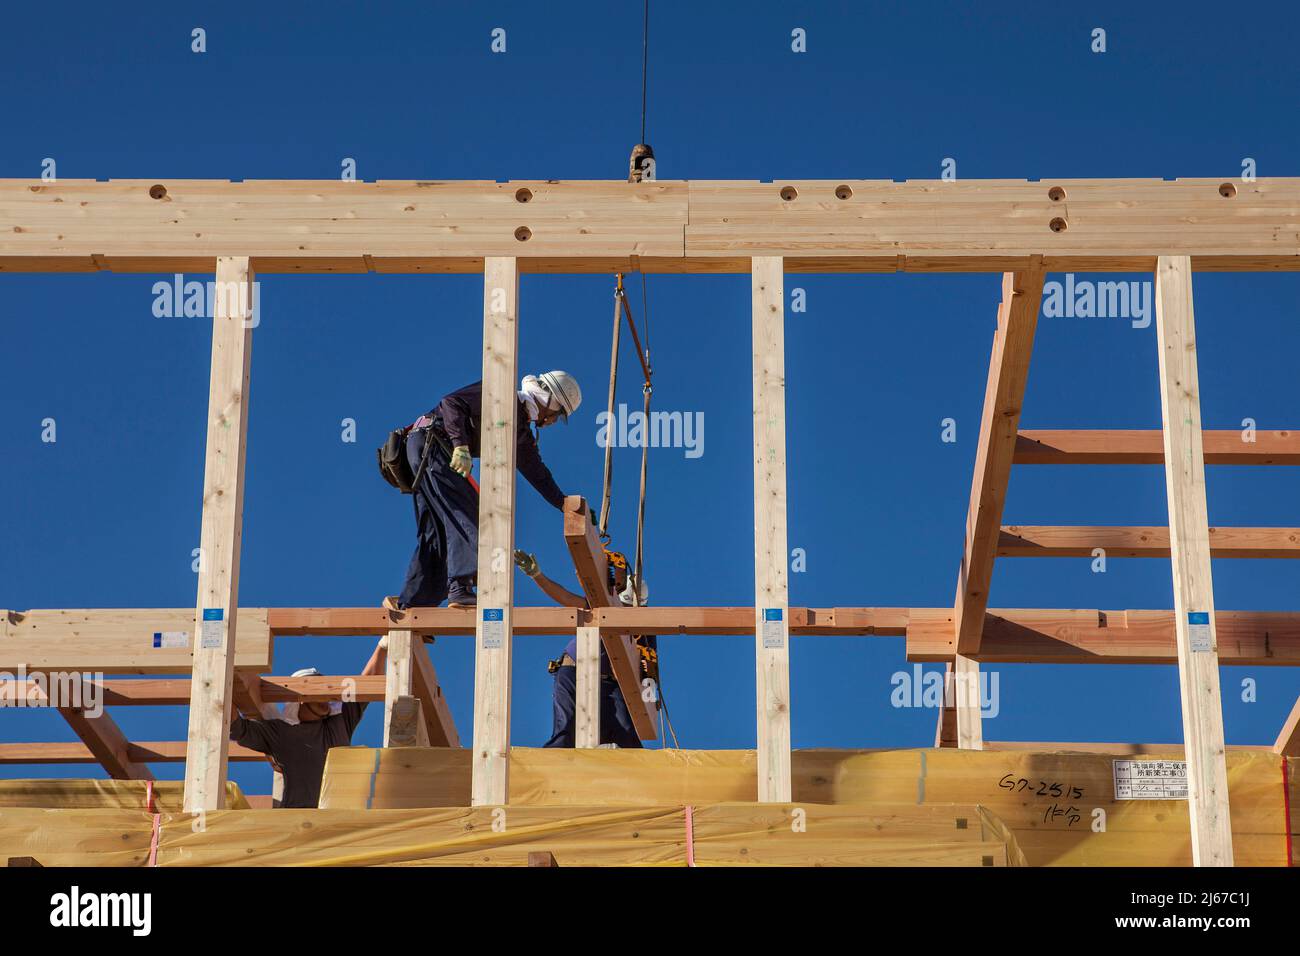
{"points": [[1023, 230]]}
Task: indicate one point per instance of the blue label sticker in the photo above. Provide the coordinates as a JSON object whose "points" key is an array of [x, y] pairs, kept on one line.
{"points": [[157, 639], [214, 614], [772, 614], [494, 614], [1198, 617]]}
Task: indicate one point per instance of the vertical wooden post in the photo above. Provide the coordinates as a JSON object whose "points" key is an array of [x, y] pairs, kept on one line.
{"points": [[496, 530], [399, 675], [587, 705], [1189, 541], [970, 727], [771, 585], [213, 640]]}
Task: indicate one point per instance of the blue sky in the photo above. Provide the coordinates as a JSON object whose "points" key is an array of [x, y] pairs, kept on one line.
{"points": [[107, 516]]}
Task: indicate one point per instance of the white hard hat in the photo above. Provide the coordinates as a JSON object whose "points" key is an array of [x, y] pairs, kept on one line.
{"points": [[625, 595], [564, 389], [291, 709]]}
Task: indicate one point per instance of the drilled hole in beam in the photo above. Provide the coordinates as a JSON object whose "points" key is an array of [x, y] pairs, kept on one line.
{"points": [[789, 193], [158, 192], [1058, 225], [1227, 190], [524, 195], [523, 234], [1056, 193], [843, 192]]}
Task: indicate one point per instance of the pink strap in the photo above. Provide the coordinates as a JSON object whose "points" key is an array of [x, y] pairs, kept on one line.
{"points": [[690, 836]]}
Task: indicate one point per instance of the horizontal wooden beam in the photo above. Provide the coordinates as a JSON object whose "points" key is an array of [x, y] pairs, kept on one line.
{"points": [[120, 640], [846, 621], [324, 226], [157, 751], [442, 621], [1024, 541], [1105, 637], [1034, 635], [1146, 447], [1118, 750], [175, 691]]}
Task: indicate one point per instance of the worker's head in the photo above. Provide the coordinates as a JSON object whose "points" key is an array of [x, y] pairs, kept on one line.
{"points": [[562, 396], [313, 710], [308, 711]]}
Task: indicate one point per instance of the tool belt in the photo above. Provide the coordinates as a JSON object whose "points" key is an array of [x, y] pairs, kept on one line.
{"points": [[393, 464], [564, 660]]}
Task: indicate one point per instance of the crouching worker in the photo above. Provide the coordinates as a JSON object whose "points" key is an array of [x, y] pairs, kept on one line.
{"points": [[298, 742], [616, 725]]}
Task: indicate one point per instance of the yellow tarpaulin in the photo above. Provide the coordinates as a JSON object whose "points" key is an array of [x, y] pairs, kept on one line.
{"points": [[715, 835]]}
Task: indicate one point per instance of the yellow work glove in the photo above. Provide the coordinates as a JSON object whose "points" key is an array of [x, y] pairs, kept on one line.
{"points": [[462, 462], [527, 563]]}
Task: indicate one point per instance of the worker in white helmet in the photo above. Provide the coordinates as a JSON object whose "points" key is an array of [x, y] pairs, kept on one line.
{"points": [[445, 563], [298, 741]]}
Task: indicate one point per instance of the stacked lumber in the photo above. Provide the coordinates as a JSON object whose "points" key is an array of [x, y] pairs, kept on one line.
{"points": [[1051, 801]]}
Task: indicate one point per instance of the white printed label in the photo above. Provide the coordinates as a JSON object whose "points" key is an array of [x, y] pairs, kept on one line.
{"points": [[171, 639], [773, 628], [1198, 631], [494, 627], [1150, 779], [214, 627]]}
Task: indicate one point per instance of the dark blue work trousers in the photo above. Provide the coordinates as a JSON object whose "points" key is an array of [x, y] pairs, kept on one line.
{"points": [[615, 722], [446, 518]]}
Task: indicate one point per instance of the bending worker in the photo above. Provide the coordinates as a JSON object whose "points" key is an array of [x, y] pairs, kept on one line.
{"points": [[445, 563], [616, 725]]}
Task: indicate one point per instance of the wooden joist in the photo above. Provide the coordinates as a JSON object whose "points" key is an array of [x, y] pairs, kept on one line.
{"points": [[1189, 539], [494, 616], [326, 226], [139, 753], [439, 726], [1013, 341], [1034, 636], [592, 567], [1023, 541], [220, 536], [1146, 447], [105, 740]]}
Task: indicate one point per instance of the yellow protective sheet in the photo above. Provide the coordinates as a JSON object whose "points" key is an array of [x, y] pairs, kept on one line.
{"points": [[1060, 806], [716, 835], [77, 837], [103, 794]]}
